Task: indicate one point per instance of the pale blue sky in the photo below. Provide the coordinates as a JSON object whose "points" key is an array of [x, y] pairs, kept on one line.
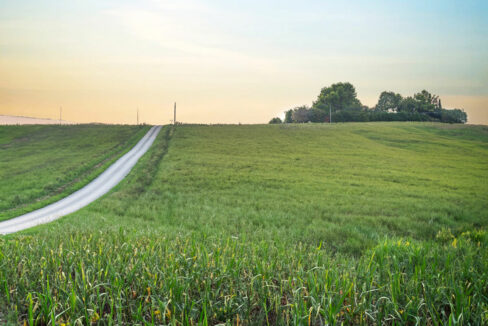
{"points": [[234, 61]]}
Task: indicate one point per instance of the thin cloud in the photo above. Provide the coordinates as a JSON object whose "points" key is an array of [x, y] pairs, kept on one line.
{"points": [[185, 29]]}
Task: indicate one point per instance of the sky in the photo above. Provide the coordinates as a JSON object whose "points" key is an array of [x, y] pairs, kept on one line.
{"points": [[234, 61]]}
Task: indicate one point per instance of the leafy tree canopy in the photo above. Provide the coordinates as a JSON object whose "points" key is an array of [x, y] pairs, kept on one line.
{"points": [[427, 102], [339, 96], [388, 101], [408, 104], [342, 99], [288, 116], [300, 114], [275, 121], [304, 113]]}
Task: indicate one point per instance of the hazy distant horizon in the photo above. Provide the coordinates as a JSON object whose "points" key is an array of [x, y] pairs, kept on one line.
{"points": [[230, 62]]}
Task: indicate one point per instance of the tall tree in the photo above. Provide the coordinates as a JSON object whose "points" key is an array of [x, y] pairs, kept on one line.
{"points": [[338, 96], [408, 104], [427, 102], [388, 101], [288, 116]]}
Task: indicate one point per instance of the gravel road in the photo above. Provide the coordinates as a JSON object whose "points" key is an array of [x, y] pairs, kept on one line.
{"points": [[91, 192]]}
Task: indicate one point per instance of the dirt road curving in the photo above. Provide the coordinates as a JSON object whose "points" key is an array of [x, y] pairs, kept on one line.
{"points": [[92, 191]]}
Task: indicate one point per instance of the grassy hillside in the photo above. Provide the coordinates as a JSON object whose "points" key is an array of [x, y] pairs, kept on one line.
{"points": [[303, 224], [40, 164]]}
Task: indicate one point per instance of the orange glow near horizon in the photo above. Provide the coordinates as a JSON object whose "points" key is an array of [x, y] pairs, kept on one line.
{"points": [[123, 110], [231, 63]]}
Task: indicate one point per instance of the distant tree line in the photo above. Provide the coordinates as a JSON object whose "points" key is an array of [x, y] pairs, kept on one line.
{"points": [[340, 101]]}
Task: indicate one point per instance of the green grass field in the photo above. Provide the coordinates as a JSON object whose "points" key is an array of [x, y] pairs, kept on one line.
{"points": [[368, 223], [41, 164]]}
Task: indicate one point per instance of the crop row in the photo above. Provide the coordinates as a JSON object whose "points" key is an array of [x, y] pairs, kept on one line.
{"points": [[121, 277]]}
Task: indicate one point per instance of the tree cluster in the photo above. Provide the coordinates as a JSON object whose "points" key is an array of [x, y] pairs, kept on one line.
{"points": [[339, 102]]}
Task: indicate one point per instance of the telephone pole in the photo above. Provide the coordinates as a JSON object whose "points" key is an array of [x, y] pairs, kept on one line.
{"points": [[137, 116], [174, 115]]}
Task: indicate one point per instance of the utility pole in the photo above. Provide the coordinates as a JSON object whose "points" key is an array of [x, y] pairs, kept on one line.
{"points": [[60, 114], [174, 116], [137, 116]]}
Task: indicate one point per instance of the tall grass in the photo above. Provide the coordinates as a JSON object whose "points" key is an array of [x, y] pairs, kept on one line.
{"points": [[367, 224], [128, 278]]}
